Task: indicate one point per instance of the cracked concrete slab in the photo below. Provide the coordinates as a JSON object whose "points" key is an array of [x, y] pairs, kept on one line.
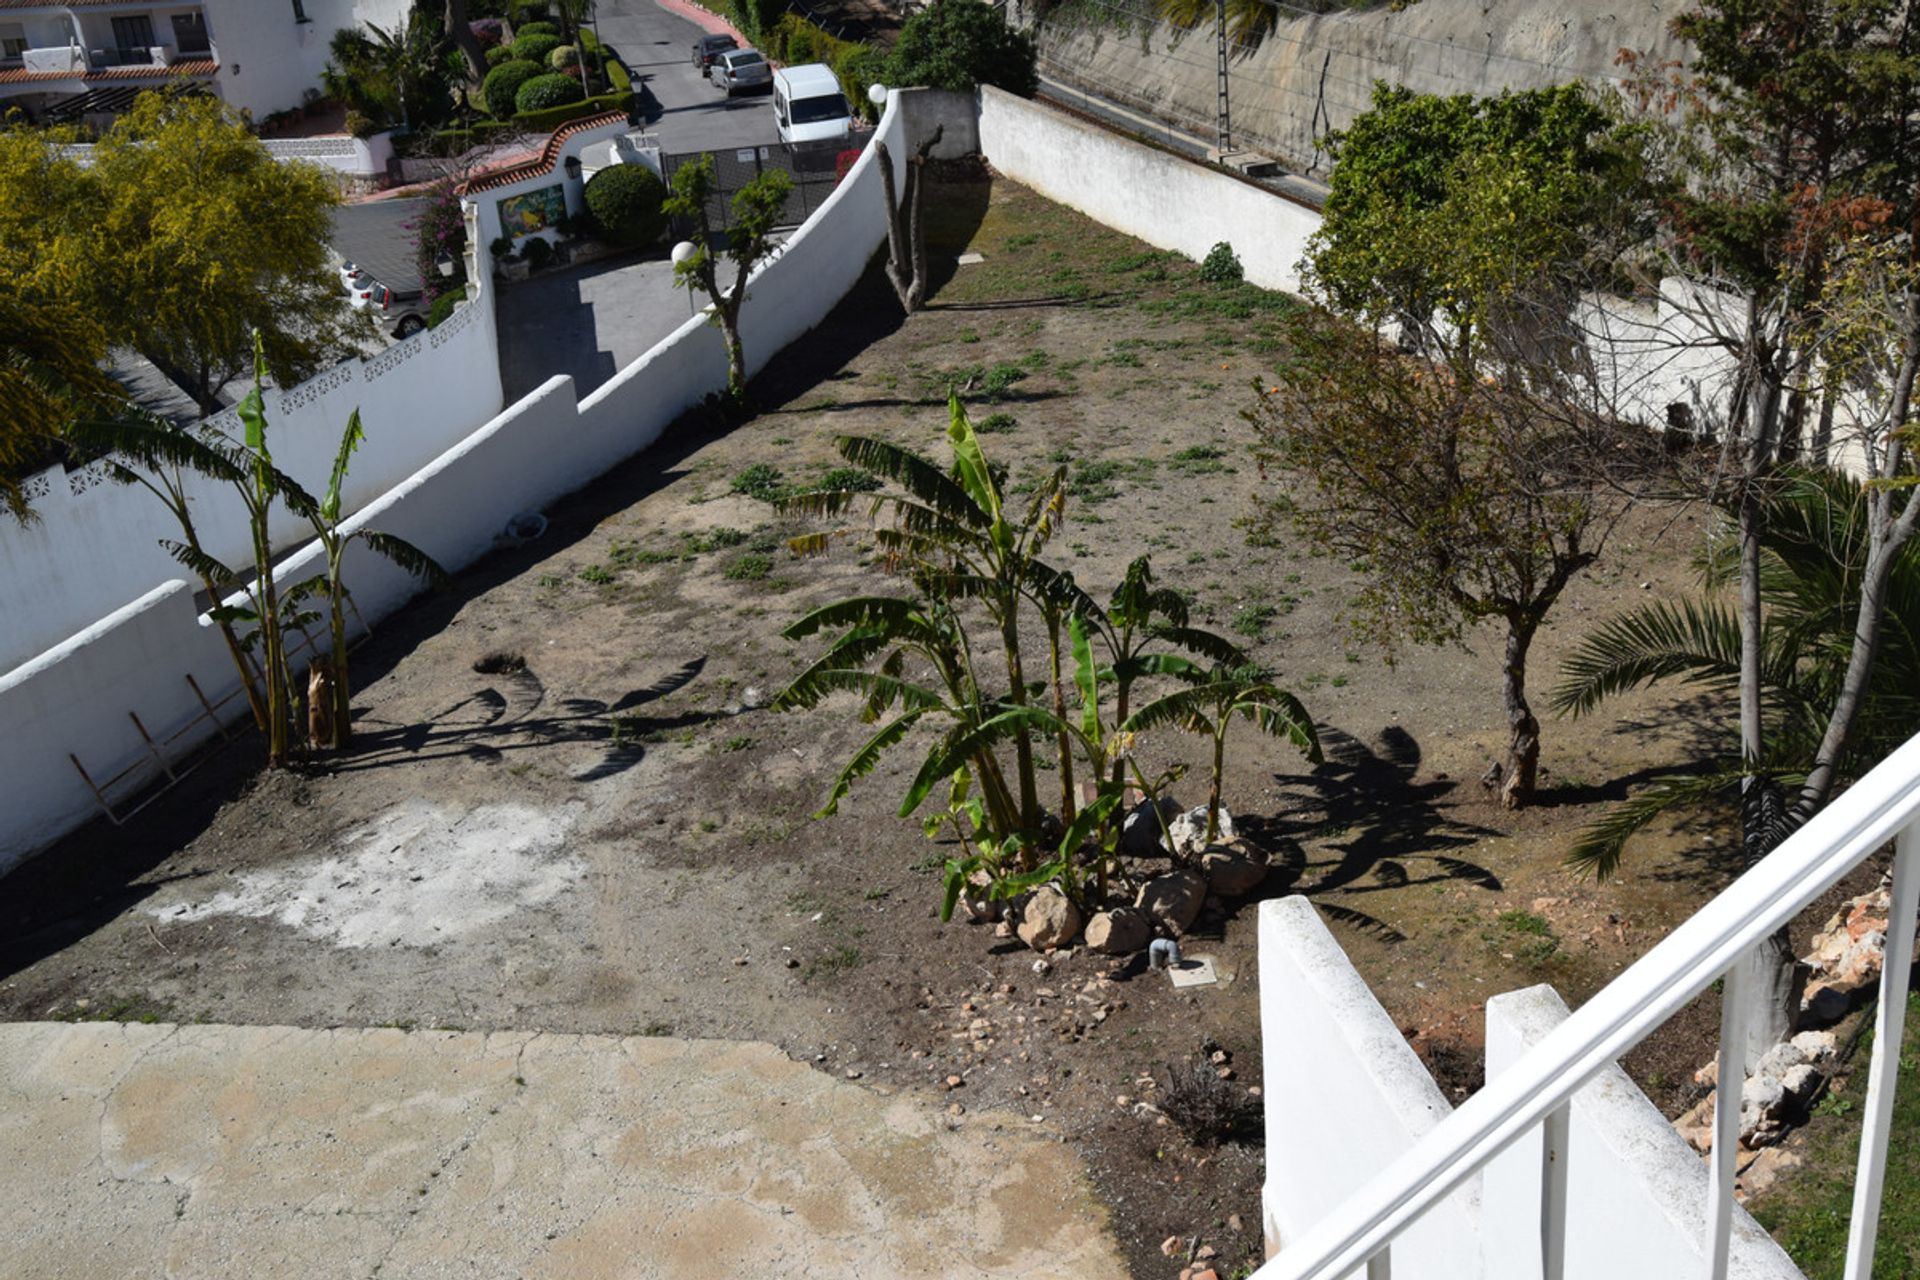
{"points": [[220, 1151]]}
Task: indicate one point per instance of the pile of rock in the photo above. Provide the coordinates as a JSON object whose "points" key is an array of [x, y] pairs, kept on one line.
{"points": [[1847, 955], [1166, 905], [1773, 1098]]}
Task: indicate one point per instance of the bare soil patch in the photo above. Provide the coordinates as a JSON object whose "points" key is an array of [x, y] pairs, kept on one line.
{"points": [[573, 736]]}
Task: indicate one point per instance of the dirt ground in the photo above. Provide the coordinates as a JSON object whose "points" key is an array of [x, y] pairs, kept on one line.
{"points": [[567, 810]]}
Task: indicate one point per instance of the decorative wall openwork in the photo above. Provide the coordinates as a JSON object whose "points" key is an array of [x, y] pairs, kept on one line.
{"points": [[35, 488], [316, 387], [91, 476], [393, 357], [452, 326]]}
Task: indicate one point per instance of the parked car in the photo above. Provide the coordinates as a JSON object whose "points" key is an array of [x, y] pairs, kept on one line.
{"points": [[352, 276], [739, 70], [707, 48], [808, 108], [400, 315]]}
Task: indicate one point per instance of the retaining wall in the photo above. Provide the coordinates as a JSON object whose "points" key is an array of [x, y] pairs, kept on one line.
{"points": [[74, 698]]}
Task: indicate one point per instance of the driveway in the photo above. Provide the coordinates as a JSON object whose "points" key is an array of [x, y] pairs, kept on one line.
{"points": [[686, 113], [589, 321]]}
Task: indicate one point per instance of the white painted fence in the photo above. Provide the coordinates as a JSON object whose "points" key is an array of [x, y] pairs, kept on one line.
{"points": [[75, 698], [96, 543], [1547, 1106]]}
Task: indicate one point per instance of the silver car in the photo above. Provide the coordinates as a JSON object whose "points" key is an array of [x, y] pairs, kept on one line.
{"points": [[741, 69]]}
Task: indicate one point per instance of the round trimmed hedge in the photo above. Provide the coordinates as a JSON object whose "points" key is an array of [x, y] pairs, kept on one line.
{"points": [[565, 56], [502, 86], [537, 29], [535, 48], [546, 91], [498, 54], [625, 203]]}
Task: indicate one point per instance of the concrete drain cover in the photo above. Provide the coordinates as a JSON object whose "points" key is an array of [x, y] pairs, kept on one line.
{"points": [[1194, 971]]}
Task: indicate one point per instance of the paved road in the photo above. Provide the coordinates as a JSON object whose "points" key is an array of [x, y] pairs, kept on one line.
{"points": [[657, 47], [131, 1151]]}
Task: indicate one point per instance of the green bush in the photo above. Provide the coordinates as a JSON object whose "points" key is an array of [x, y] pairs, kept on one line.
{"points": [[501, 88], [547, 91], [859, 67], [537, 252], [1221, 265], [535, 48], [443, 307], [958, 44], [625, 202], [498, 54], [618, 77], [565, 56], [360, 126], [537, 29]]}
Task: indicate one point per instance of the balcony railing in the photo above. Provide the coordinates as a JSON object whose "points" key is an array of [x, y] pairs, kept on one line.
{"points": [[1537, 1091], [134, 56]]}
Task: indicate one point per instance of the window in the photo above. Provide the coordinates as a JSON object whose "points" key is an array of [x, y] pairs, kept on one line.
{"points": [[13, 41], [133, 37], [190, 33]]}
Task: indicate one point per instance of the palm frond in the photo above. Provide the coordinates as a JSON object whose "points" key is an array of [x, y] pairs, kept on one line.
{"points": [[1597, 850], [1699, 643], [1281, 715], [813, 685], [973, 741], [405, 554], [919, 477], [852, 612], [1214, 648], [866, 758], [202, 564]]}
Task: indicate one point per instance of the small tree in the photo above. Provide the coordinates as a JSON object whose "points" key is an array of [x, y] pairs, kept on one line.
{"points": [[757, 209], [906, 238], [1471, 483], [205, 242], [49, 376], [325, 517], [961, 44]]}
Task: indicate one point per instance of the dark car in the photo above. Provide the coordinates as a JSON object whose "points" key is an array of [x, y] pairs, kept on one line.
{"points": [[707, 48]]}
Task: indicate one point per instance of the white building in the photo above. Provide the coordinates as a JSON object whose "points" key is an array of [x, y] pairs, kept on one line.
{"points": [[89, 57]]}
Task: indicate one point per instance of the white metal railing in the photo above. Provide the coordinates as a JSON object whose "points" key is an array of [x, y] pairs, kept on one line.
{"points": [[1539, 1088]]}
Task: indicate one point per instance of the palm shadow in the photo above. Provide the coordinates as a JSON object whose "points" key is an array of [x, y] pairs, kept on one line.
{"points": [[1387, 830], [492, 722]]}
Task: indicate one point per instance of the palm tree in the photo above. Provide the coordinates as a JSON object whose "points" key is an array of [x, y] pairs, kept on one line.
{"points": [[1814, 546], [1208, 705]]}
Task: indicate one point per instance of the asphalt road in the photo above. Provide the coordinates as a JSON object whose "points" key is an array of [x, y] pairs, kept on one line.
{"points": [[594, 320], [657, 47]]}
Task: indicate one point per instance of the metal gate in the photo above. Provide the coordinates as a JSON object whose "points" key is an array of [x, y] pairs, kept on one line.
{"points": [[814, 171]]}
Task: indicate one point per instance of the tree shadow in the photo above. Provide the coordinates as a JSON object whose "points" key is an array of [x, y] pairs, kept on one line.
{"points": [[1387, 830]]}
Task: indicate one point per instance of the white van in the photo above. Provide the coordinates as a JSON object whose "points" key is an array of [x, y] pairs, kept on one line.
{"points": [[808, 106]]}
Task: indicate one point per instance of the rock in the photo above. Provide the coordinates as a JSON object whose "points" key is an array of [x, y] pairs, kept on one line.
{"points": [[1172, 1246], [1231, 872], [1801, 1083], [753, 697], [1825, 1005], [1188, 831], [1779, 1060], [1120, 932], [1816, 1046], [1234, 1224], [1140, 831], [954, 1082], [1849, 950], [1760, 1104], [1174, 900], [1050, 920]]}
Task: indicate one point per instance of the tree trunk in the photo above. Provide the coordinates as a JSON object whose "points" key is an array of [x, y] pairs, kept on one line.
{"points": [[1775, 980], [460, 28], [1063, 744], [337, 665], [906, 242], [1213, 784], [1023, 740], [1523, 740]]}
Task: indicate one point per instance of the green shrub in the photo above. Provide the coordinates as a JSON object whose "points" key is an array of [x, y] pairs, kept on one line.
{"points": [[565, 56], [859, 67], [443, 307], [617, 77], [498, 54], [538, 253], [545, 92], [1221, 265], [501, 88], [625, 201], [958, 44], [535, 48], [761, 480], [361, 126], [536, 28]]}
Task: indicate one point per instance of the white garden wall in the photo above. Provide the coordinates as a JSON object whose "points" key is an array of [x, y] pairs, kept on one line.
{"points": [[95, 543], [1169, 202], [75, 697], [1345, 1095], [1636, 1192]]}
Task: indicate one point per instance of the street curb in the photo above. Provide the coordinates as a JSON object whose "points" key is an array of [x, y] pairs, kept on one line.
{"points": [[711, 21]]}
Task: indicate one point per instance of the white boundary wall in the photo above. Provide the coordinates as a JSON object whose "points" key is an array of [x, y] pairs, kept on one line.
{"points": [[95, 543], [1636, 1192], [1169, 202], [1345, 1095], [75, 697]]}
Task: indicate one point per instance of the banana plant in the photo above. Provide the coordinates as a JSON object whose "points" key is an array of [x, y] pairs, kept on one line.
{"points": [[325, 518], [1208, 705]]}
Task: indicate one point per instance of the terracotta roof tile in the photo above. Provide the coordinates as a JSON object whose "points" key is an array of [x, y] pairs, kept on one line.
{"points": [[192, 67], [548, 158]]}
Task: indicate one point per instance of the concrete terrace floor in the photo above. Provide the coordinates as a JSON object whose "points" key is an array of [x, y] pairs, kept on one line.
{"points": [[222, 1151]]}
